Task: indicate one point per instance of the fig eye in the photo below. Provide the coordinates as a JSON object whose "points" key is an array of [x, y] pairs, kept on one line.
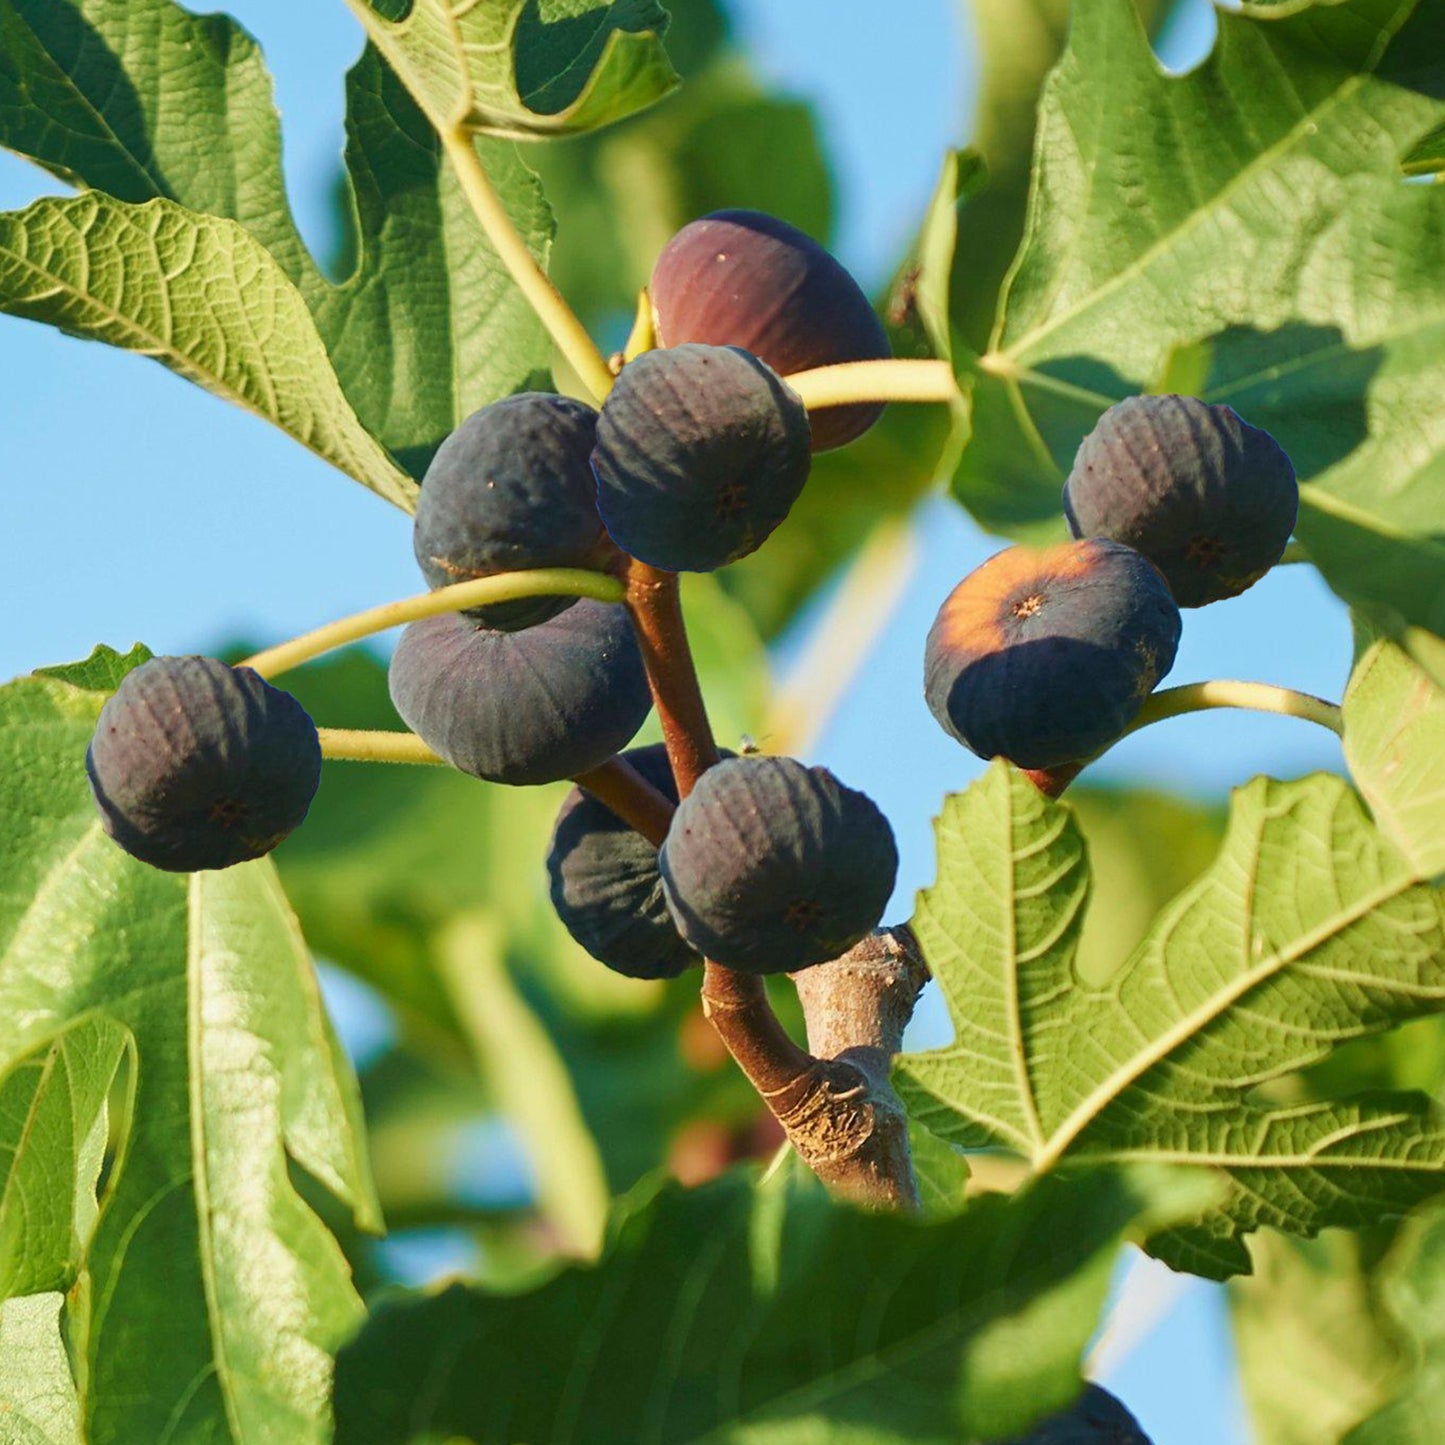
{"points": [[198, 765], [701, 453], [1208, 499], [1068, 685], [770, 866]]}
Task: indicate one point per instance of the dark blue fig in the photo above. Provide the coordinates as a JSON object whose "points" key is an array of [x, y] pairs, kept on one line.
{"points": [[1045, 656], [701, 451], [523, 707], [770, 866], [1208, 499], [198, 765], [605, 882], [742, 278], [1095, 1418], [511, 489]]}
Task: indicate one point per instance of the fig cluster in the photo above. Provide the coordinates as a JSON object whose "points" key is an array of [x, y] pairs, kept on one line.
{"points": [[1044, 656], [694, 459], [196, 765]]}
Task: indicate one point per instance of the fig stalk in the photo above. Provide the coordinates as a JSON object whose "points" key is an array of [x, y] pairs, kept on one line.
{"points": [[503, 587], [850, 382]]}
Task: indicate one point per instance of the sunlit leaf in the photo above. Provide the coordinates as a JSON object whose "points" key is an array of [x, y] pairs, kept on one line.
{"points": [[738, 1313], [237, 1079], [1308, 929]]}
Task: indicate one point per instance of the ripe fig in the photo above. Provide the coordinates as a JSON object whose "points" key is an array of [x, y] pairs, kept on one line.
{"points": [[742, 278], [1207, 498], [701, 452], [1095, 1418], [512, 488], [523, 707], [1044, 656], [770, 866], [198, 765], [605, 882]]}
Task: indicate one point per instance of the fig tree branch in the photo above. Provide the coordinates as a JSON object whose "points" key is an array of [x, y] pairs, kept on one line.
{"points": [[552, 310], [833, 1110], [503, 587]]}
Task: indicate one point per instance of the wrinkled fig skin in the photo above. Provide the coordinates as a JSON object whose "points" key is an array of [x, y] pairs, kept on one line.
{"points": [[523, 707], [1096, 1418], [742, 278], [701, 452], [198, 765], [605, 882], [770, 866], [1045, 656], [511, 488], [1208, 499]]}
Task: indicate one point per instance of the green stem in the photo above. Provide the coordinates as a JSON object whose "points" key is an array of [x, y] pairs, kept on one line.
{"points": [[1251, 696], [1293, 552], [481, 591], [862, 381], [355, 745], [544, 298]]}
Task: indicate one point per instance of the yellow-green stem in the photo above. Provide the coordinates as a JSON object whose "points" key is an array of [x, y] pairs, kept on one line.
{"points": [[504, 587], [1293, 552], [1252, 696], [855, 381], [544, 298], [355, 745], [643, 336]]}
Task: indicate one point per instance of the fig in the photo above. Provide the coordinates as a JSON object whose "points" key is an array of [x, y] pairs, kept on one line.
{"points": [[197, 765], [1045, 656], [701, 452], [605, 882], [523, 707], [770, 866], [1207, 498], [511, 488], [742, 278], [1095, 1418]]}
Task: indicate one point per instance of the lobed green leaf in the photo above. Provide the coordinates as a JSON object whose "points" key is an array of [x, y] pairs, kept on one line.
{"points": [[1243, 232], [201, 296], [237, 1080], [522, 70], [1308, 930], [763, 1314]]}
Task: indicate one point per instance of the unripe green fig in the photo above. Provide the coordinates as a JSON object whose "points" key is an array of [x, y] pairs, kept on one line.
{"points": [[512, 489], [198, 765], [1208, 499], [606, 885], [523, 707], [701, 452], [743, 278], [1044, 656], [770, 866]]}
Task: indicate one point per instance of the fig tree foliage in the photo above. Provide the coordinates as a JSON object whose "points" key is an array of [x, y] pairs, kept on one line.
{"points": [[1213, 1046]]}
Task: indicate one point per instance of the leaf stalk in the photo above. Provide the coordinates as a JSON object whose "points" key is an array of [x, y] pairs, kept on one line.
{"points": [[552, 310]]}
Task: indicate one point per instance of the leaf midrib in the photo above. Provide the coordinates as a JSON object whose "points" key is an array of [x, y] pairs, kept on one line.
{"points": [[1194, 1022], [1016, 349]]}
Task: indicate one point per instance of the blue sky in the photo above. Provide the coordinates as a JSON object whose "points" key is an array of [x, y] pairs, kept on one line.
{"points": [[143, 509]]}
